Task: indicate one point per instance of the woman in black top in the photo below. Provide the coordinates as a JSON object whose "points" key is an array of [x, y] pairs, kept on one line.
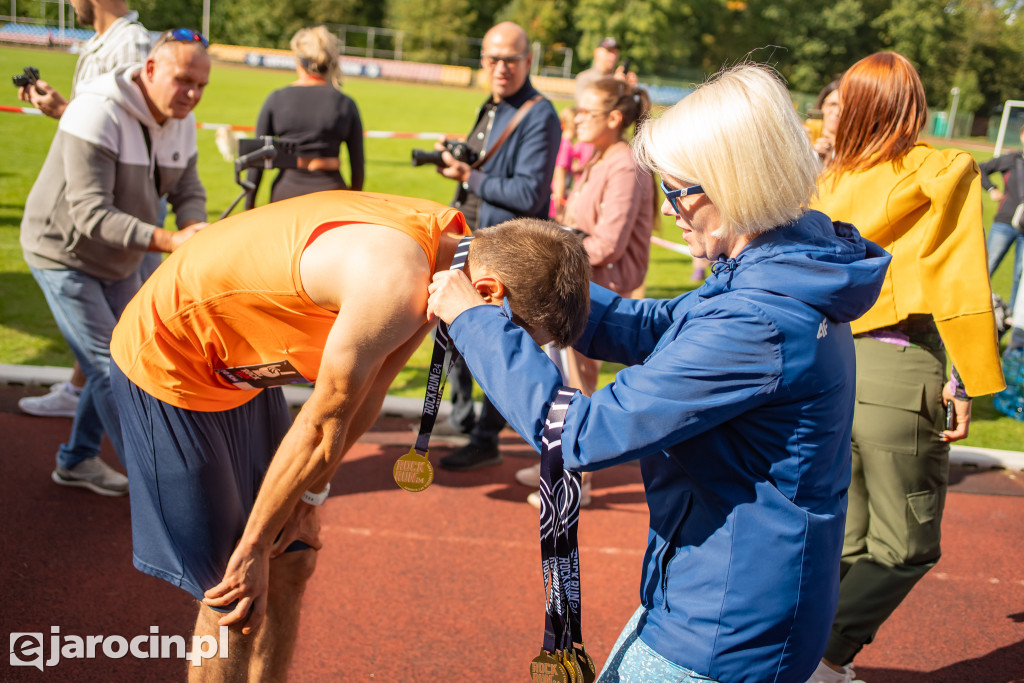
{"points": [[315, 115]]}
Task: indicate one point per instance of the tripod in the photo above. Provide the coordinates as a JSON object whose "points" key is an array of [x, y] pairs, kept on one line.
{"points": [[266, 151], [264, 154]]}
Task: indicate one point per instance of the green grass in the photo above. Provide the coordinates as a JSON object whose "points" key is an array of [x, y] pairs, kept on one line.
{"points": [[28, 335]]}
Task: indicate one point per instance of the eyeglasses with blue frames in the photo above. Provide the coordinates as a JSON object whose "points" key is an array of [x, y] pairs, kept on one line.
{"points": [[183, 35], [673, 195]]}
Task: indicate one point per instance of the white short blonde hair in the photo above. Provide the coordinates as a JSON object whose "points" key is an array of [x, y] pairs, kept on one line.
{"points": [[739, 136]]}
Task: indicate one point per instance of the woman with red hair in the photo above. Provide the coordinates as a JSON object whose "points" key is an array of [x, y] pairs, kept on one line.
{"points": [[924, 207]]}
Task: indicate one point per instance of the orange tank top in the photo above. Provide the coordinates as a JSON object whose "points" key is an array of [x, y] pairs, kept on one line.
{"points": [[227, 312]]}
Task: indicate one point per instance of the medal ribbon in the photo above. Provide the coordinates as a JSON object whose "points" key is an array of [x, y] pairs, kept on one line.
{"points": [[440, 364], [559, 520]]}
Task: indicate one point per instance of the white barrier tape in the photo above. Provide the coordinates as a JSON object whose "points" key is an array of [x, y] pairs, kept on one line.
{"points": [[671, 246], [21, 110], [218, 126], [379, 134]]}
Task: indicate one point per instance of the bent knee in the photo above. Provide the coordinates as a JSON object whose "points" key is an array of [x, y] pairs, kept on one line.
{"points": [[294, 567]]}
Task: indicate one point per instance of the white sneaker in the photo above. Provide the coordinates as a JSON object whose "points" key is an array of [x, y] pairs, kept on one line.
{"points": [[95, 475], [529, 476], [825, 674], [534, 498], [60, 402]]}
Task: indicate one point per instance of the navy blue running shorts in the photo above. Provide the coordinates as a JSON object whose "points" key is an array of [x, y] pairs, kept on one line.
{"points": [[193, 477]]}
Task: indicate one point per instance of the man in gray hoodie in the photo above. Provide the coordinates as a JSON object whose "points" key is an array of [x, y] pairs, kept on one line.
{"points": [[126, 140]]}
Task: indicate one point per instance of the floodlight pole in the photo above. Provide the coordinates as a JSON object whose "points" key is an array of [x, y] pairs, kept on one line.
{"points": [[206, 18], [952, 112], [1007, 106]]}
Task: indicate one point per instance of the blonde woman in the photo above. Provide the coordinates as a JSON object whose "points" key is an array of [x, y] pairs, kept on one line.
{"points": [[737, 399], [313, 113]]}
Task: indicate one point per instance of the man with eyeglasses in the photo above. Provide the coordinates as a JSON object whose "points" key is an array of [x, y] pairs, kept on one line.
{"points": [[516, 136], [127, 139], [119, 40]]}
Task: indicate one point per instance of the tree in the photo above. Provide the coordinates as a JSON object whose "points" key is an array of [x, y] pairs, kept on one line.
{"points": [[657, 35], [545, 21], [434, 31]]}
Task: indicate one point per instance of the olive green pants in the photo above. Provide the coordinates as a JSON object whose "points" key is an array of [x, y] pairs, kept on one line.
{"points": [[897, 490]]}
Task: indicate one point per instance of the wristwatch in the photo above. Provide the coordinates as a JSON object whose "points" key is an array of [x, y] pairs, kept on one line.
{"points": [[316, 498]]}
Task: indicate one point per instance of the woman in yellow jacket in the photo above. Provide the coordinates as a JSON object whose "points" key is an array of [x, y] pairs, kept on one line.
{"points": [[923, 206]]}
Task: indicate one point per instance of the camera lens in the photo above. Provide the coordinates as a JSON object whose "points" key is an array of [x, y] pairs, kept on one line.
{"points": [[422, 156]]}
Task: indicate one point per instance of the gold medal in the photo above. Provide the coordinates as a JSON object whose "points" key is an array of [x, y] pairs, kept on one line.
{"points": [[546, 668], [413, 471], [572, 667], [586, 664]]}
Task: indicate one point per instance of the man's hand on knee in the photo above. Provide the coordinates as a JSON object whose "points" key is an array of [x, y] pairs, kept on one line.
{"points": [[245, 581]]}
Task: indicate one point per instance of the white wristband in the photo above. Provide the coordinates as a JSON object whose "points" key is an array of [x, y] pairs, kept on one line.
{"points": [[316, 498]]}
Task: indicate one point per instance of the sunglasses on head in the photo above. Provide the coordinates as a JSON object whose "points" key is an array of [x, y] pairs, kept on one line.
{"points": [[184, 35]]}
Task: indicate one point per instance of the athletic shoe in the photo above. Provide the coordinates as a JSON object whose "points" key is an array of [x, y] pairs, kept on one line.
{"points": [[60, 402], [471, 457], [529, 476], [825, 674], [534, 498], [95, 475]]}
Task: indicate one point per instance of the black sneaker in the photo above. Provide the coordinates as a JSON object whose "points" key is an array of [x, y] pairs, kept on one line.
{"points": [[471, 457]]}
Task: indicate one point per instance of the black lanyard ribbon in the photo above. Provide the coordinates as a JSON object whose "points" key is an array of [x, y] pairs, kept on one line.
{"points": [[563, 657], [413, 471]]}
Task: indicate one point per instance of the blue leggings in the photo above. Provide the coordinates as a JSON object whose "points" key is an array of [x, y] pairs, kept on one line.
{"points": [[632, 661]]}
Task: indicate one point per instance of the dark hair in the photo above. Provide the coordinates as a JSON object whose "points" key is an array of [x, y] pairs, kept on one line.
{"points": [[825, 92], [545, 271], [633, 103]]}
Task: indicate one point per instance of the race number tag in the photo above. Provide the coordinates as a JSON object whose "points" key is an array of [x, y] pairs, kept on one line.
{"points": [[263, 376]]}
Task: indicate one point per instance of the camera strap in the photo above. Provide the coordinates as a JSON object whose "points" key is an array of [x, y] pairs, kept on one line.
{"points": [[563, 656], [413, 471], [520, 115]]}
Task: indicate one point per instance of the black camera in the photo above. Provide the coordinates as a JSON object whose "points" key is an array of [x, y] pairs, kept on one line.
{"points": [[23, 80], [266, 152], [459, 150]]}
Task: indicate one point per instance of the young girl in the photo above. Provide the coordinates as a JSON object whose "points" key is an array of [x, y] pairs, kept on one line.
{"points": [[572, 157]]}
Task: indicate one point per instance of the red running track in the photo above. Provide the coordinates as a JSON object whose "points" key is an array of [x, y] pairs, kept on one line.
{"points": [[445, 584]]}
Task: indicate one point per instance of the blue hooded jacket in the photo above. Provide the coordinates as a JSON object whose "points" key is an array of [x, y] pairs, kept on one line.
{"points": [[738, 402]]}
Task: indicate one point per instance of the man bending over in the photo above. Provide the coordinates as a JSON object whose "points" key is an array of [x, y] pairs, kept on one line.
{"points": [[328, 287]]}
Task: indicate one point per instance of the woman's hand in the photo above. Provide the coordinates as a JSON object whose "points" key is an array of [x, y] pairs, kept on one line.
{"points": [[451, 293], [823, 146], [962, 415]]}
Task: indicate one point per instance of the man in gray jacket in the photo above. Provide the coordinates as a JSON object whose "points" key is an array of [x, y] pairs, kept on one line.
{"points": [[127, 139], [119, 40]]}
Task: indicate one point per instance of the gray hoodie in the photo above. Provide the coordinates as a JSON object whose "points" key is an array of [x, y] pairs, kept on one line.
{"points": [[95, 202]]}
